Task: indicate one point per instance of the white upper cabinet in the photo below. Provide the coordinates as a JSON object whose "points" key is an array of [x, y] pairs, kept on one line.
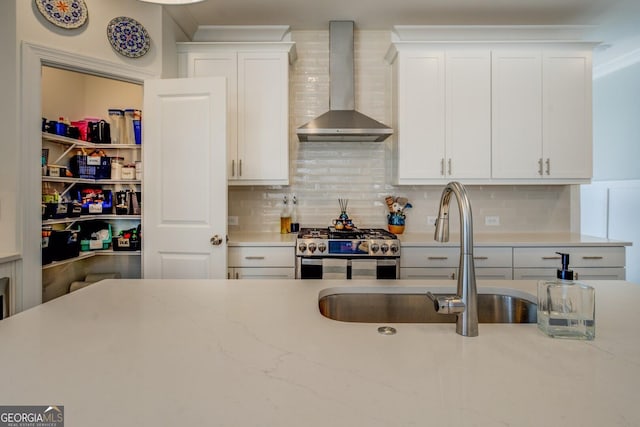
{"points": [[542, 114], [442, 114], [485, 105], [257, 105]]}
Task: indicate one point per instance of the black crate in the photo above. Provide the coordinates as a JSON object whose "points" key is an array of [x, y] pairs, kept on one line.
{"points": [[123, 244], [90, 167], [61, 245]]}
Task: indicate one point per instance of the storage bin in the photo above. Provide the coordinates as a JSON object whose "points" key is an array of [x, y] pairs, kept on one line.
{"points": [[95, 235], [95, 201], [57, 171], [128, 240], [90, 167], [61, 245]]}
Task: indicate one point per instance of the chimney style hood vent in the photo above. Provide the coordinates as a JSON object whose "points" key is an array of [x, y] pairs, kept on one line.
{"points": [[342, 122]]}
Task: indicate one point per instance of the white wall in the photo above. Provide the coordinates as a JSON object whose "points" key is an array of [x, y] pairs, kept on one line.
{"points": [[91, 39], [616, 125], [9, 121], [322, 172], [74, 95]]}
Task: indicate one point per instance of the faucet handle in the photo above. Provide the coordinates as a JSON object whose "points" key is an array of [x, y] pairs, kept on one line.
{"points": [[447, 305]]}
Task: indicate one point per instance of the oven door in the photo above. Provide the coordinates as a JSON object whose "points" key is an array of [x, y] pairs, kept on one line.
{"points": [[311, 268]]}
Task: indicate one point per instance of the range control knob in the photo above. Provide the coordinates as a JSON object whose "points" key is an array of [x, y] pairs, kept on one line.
{"points": [[312, 247], [302, 247], [394, 248], [385, 248], [374, 248], [322, 247]]}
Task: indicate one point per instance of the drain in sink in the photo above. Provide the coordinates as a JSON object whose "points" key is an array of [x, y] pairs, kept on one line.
{"points": [[387, 330]]}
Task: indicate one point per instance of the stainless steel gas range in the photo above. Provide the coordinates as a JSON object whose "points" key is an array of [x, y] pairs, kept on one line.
{"points": [[327, 253]]}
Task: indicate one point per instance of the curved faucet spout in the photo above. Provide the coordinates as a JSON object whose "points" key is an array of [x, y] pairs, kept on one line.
{"points": [[467, 323]]}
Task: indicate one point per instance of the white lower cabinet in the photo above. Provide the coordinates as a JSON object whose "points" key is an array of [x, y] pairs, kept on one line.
{"points": [[587, 263], [261, 262], [519, 263], [442, 263]]}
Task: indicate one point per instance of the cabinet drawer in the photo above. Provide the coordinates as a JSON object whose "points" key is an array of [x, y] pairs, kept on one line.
{"points": [[603, 273], [482, 273], [578, 257], [261, 256], [450, 257], [261, 273]]}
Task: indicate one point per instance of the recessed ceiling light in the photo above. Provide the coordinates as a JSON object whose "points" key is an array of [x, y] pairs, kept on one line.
{"points": [[172, 2]]}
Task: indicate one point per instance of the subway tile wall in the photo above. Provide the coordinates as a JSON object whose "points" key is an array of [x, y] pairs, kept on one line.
{"points": [[323, 172]]}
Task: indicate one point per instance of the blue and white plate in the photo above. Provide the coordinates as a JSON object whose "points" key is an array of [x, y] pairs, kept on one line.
{"points": [[128, 37], [64, 13]]}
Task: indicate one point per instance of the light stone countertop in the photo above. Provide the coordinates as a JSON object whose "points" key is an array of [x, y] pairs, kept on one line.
{"points": [[426, 239], [258, 353]]}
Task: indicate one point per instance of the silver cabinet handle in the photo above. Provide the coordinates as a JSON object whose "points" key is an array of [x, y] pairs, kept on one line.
{"points": [[548, 163], [233, 168], [481, 258], [237, 275], [449, 166], [442, 166], [437, 258], [540, 166], [240, 167], [592, 257], [215, 240], [253, 257], [551, 257]]}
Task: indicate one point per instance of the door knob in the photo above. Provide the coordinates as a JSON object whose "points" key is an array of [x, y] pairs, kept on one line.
{"points": [[216, 240]]}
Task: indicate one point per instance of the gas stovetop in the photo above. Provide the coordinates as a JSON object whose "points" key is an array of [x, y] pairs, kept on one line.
{"points": [[360, 242]]}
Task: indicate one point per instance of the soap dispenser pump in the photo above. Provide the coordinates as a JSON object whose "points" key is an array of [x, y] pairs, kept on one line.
{"points": [[566, 308], [564, 273]]}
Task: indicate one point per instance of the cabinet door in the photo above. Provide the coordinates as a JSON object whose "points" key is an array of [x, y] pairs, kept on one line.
{"points": [[420, 115], [185, 216], [263, 111], [468, 114], [517, 114], [566, 119], [221, 64]]}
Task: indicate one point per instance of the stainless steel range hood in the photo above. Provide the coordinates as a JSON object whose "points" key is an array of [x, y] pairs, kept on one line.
{"points": [[342, 122]]}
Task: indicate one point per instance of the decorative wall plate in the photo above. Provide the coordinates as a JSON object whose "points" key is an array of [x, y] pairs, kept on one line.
{"points": [[64, 13], [128, 37]]}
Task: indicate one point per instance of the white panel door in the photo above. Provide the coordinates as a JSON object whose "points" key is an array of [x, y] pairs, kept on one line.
{"points": [[221, 64], [517, 114], [468, 116], [185, 185], [421, 115], [263, 111], [566, 117]]}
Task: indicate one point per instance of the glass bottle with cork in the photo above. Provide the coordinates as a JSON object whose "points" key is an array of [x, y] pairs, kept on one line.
{"points": [[285, 217]]}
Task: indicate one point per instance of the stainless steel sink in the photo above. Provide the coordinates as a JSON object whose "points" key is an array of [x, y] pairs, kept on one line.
{"points": [[411, 305]]}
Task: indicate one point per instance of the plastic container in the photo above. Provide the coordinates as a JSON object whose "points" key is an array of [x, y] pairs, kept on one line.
{"points": [[117, 123], [566, 309], [116, 167]]}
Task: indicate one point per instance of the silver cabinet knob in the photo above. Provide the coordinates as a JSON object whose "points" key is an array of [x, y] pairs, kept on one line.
{"points": [[216, 240]]}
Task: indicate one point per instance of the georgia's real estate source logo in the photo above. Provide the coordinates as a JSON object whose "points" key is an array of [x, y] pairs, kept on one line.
{"points": [[32, 416]]}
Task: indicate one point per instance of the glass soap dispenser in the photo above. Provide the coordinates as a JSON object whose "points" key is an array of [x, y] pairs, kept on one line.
{"points": [[566, 309]]}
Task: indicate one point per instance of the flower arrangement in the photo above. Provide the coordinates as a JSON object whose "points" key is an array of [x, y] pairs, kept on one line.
{"points": [[397, 215]]}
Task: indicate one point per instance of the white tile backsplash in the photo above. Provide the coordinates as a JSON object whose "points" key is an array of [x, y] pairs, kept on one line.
{"points": [[323, 172]]}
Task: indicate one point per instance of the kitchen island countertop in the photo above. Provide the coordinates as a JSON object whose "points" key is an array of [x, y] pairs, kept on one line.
{"points": [[259, 353]]}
